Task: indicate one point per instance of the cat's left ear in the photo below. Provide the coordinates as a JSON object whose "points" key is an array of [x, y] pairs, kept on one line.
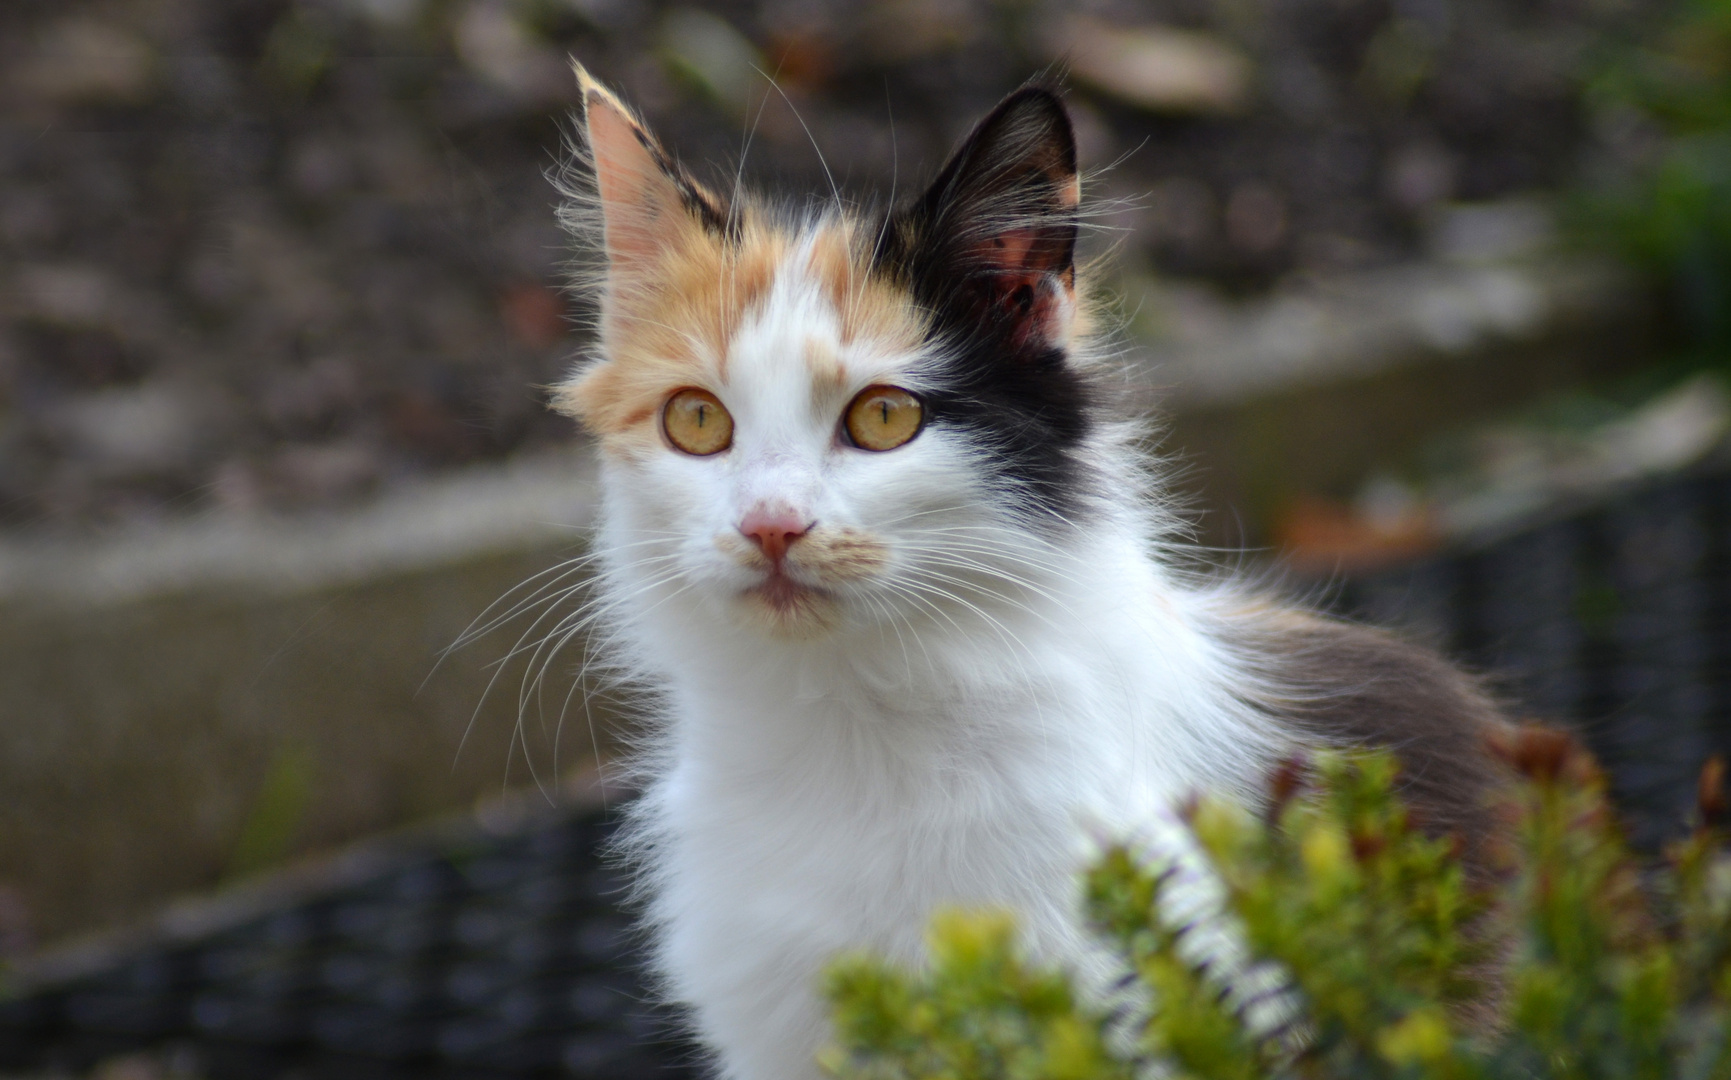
{"points": [[994, 237], [647, 200]]}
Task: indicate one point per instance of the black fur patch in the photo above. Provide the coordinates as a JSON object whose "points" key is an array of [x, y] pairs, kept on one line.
{"points": [[986, 251]]}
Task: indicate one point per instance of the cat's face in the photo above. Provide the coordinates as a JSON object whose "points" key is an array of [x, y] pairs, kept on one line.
{"points": [[825, 422]]}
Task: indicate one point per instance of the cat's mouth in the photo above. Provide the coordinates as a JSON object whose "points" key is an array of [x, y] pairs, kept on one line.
{"points": [[782, 592], [791, 606], [785, 604]]}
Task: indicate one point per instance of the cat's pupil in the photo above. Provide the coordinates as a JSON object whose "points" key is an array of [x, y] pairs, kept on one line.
{"points": [[702, 411], [885, 406]]}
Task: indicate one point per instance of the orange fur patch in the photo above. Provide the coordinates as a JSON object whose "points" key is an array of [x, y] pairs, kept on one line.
{"points": [[869, 306], [828, 373], [841, 554], [668, 325]]}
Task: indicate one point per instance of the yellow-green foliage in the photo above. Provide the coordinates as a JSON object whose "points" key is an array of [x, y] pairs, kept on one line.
{"points": [[1395, 965], [982, 1012]]}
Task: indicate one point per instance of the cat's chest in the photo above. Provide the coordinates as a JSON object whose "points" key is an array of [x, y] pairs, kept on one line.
{"points": [[859, 766], [962, 793], [832, 866], [856, 806], [840, 815]]}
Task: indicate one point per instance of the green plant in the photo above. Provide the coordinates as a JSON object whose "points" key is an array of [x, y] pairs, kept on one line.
{"points": [[1396, 962], [1667, 200]]}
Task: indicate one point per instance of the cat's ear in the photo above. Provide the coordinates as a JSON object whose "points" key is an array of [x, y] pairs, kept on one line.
{"points": [[996, 231], [646, 199]]}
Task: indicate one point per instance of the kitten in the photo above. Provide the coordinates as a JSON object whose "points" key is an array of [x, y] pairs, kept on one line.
{"points": [[904, 590]]}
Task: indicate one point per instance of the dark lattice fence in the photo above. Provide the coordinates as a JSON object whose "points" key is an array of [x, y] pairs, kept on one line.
{"points": [[1614, 618], [482, 955]]}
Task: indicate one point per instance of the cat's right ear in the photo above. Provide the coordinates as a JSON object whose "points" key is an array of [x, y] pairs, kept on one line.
{"points": [[992, 242], [648, 202]]}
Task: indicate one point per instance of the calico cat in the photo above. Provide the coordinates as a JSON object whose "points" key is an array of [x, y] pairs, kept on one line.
{"points": [[903, 586]]}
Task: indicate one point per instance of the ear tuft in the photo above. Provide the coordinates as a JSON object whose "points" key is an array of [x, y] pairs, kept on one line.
{"points": [[992, 242]]}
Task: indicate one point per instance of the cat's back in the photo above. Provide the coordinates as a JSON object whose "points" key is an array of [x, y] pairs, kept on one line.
{"points": [[1340, 684]]}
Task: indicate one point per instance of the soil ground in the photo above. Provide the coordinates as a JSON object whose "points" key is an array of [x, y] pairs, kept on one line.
{"points": [[275, 254]]}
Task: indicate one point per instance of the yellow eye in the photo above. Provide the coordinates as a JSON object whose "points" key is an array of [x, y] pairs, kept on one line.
{"points": [[696, 422], [883, 418]]}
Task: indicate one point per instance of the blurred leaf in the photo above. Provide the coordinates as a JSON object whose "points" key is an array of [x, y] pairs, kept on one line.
{"points": [[709, 53], [274, 821]]}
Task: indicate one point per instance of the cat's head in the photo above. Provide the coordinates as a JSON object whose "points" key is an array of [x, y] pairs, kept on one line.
{"points": [[825, 419]]}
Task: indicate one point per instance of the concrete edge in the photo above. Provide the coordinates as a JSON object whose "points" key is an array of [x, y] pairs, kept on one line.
{"points": [[522, 504], [1205, 352]]}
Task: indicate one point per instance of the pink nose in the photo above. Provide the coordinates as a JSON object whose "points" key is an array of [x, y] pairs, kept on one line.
{"points": [[774, 530]]}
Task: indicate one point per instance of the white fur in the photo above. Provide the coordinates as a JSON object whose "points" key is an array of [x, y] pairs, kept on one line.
{"points": [[978, 716]]}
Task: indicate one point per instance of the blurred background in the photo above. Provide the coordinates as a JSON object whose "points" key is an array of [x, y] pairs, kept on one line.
{"points": [[1432, 299]]}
